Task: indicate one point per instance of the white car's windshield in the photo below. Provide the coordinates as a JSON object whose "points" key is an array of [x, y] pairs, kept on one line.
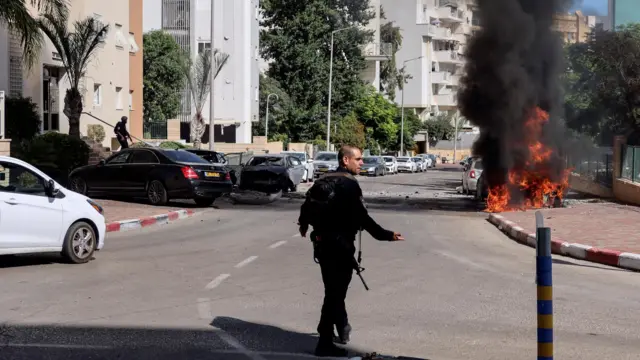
{"points": [[327, 157]]}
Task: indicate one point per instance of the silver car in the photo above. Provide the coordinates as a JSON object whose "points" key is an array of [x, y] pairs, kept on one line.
{"points": [[324, 162], [471, 175], [391, 164], [406, 164]]}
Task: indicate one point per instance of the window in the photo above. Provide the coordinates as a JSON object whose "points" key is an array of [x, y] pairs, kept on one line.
{"points": [[118, 98], [97, 94], [120, 158], [184, 156], [294, 161], [144, 157], [121, 40], [133, 45], [130, 100], [17, 179], [202, 46]]}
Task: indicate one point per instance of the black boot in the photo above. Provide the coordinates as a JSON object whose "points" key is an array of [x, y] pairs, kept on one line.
{"points": [[344, 334], [326, 348]]}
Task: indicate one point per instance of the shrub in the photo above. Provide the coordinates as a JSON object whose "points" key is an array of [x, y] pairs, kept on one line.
{"points": [[96, 133], [55, 154], [22, 121], [173, 145], [140, 144]]}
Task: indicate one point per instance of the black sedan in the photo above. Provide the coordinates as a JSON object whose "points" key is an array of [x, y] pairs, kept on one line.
{"points": [[157, 174]]}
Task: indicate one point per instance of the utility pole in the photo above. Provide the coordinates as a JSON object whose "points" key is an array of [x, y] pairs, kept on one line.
{"points": [[330, 87], [212, 84], [404, 65]]}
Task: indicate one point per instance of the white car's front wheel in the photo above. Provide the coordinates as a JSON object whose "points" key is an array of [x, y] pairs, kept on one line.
{"points": [[80, 243]]}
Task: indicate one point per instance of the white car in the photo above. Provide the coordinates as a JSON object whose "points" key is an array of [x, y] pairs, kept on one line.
{"points": [[306, 160], [421, 163], [471, 175], [406, 164], [391, 164], [37, 215], [428, 160]]}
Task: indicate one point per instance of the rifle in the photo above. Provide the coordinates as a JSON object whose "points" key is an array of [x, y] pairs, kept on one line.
{"points": [[359, 269]]}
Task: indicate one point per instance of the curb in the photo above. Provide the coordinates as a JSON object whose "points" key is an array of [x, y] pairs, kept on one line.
{"points": [[625, 260], [133, 224]]}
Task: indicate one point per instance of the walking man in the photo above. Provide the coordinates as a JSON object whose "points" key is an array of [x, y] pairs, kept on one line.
{"points": [[121, 133], [334, 207]]}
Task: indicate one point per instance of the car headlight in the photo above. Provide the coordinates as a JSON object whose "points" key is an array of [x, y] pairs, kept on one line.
{"points": [[97, 207], [372, 169]]}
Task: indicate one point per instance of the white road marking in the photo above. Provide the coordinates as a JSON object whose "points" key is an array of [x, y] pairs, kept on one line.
{"points": [[245, 261], [59, 346], [204, 309], [230, 340], [217, 281], [279, 243]]}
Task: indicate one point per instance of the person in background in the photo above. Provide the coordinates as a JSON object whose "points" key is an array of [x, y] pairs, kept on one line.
{"points": [[122, 134]]}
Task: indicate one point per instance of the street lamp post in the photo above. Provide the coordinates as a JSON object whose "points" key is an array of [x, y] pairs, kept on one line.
{"points": [[213, 78], [404, 64], [330, 83], [266, 125]]}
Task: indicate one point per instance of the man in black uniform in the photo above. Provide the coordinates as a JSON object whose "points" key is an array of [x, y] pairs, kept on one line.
{"points": [[334, 231], [121, 133]]}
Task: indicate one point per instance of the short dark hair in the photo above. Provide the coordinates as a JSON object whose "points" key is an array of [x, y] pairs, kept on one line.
{"points": [[124, 118], [346, 150]]}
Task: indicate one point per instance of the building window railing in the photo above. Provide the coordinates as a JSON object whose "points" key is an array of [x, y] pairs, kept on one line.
{"points": [[155, 130]]}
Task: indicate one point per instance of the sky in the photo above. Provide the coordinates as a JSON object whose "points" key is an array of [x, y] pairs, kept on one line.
{"points": [[592, 7]]}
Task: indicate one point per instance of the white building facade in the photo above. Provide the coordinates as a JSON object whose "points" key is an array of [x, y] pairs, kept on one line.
{"points": [[435, 33], [105, 86], [237, 34]]}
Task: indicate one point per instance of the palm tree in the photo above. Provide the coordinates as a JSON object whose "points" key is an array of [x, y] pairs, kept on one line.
{"points": [[15, 15], [199, 80], [76, 49]]}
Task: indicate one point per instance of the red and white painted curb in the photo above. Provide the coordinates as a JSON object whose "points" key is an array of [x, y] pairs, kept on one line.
{"points": [[133, 224], [615, 258]]}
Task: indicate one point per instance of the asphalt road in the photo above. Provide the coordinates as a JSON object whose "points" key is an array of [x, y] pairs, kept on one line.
{"points": [[239, 283]]}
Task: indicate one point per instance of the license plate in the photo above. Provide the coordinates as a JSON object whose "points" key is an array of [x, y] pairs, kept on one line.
{"points": [[323, 170], [212, 174]]}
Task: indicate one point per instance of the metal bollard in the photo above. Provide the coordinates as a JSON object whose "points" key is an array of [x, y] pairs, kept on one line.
{"points": [[545, 293]]}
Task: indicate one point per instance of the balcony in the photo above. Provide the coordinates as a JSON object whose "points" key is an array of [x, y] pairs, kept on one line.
{"points": [[442, 33], [444, 100], [454, 3], [451, 15], [441, 77], [377, 51], [455, 80], [448, 56]]}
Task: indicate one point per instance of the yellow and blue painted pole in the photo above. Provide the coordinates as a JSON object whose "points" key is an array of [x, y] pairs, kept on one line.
{"points": [[545, 293]]}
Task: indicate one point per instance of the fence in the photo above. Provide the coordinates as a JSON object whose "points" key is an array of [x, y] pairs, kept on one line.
{"points": [[630, 165], [155, 130], [597, 166]]}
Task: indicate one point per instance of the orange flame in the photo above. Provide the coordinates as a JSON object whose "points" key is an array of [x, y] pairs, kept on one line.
{"points": [[534, 180]]}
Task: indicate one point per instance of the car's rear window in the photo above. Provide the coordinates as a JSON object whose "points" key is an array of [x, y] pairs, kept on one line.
{"points": [[477, 165], [184, 157]]}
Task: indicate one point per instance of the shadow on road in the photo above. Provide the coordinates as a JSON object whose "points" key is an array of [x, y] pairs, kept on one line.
{"points": [[227, 339], [602, 267]]}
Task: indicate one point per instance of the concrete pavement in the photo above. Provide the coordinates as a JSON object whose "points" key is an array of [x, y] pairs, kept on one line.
{"points": [[239, 283]]}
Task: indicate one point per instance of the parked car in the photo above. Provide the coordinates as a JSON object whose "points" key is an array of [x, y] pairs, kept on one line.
{"points": [[373, 166], [216, 158], [434, 160], [470, 176], [271, 173], [427, 159], [306, 160], [391, 164], [482, 188], [324, 162], [421, 164], [38, 215], [154, 173], [406, 164]]}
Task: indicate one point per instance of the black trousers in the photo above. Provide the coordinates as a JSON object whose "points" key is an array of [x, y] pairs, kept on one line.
{"points": [[123, 143], [337, 271]]}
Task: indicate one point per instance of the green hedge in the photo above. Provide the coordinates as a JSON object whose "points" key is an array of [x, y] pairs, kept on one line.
{"points": [[172, 145], [54, 154]]}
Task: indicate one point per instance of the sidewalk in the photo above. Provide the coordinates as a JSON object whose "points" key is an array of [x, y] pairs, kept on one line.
{"points": [[606, 233], [122, 216]]}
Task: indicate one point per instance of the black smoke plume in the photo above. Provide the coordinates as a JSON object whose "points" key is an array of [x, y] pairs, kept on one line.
{"points": [[513, 65]]}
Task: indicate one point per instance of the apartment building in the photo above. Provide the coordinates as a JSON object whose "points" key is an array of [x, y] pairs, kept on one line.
{"points": [[622, 12], [573, 27], [435, 33], [236, 33], [376, 51], [105, 87]]}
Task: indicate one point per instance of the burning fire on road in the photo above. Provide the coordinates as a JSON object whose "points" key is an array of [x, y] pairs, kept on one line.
{"points": [[511, 91]]}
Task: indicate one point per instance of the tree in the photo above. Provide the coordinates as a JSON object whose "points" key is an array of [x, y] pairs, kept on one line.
{"points": [[16, 16], [163, 64], [350, 131], [22, 118], [297, 36], [440, 128], [412, 124], [198, 76], [391, 78], [76, 48], [377, 114], [279, 110], [602, 84]]}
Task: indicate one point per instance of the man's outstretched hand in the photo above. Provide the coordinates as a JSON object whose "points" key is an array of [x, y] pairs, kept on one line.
{"points": [[397, 237]]}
